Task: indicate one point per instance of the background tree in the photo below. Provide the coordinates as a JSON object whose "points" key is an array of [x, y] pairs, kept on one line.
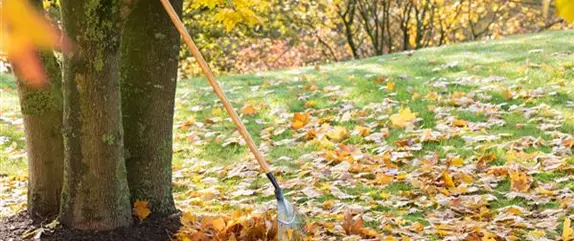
{"points": [[95, 193], [149, 61]]}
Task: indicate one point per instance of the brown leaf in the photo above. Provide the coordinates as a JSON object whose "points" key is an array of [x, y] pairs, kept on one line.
{"points": [[519, 181], [354, 226]]}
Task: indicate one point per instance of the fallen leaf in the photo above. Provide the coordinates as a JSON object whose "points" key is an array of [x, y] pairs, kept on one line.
{"points": [[456, 161], [363, 131], [383, 179], [391, 86], [519, 181], [310, 104], [447, 179], [338, 134], [216, 223], [460, 123], [381, 79], [328, 204], [141, 209], [567, 230], [354, 226], [300, 120], [507, 94], [403, 118], [311, 192], [248, 109]]}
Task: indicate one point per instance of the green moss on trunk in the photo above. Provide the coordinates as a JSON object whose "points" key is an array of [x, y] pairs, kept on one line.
{"points": [[149, 54], [42, 114], [95, 194]]}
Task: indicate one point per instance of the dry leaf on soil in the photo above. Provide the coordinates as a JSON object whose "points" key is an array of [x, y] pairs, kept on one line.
{"points": [[141, 209]]}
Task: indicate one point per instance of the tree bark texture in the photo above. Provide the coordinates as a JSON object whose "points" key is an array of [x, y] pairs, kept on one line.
{"points": [[42, 114], [95, 194], [149, 59]]}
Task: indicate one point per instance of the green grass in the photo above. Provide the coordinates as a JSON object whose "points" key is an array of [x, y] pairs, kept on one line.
{"points": [[279, 94]]}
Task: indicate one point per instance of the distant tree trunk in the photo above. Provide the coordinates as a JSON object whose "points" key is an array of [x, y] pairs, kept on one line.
{"points": [[95, 194], [149, 59], [42, 114], [348, 18]]}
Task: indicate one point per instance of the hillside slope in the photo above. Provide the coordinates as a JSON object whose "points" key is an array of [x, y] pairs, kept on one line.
{"points": [[485, 151]]}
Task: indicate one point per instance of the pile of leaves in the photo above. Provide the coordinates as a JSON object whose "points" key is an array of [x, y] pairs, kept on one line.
{"points": [[242, 224]]}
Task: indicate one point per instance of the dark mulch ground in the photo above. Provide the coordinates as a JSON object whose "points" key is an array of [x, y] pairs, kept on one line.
{"points": [[152, 229]]}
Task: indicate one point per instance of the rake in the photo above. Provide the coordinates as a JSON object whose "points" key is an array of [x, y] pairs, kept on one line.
{"points": [[290, 222]]}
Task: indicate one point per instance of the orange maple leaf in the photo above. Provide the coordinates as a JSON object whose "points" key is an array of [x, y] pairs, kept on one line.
{"points": [[300, 120], [22, 31], [141, 209]]}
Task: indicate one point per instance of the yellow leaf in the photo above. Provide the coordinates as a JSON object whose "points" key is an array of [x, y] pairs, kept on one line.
{"points": [[363, 131], [384, 195], [338, 134], [328, 204], [432, 96], [188, 218], [402, 176], [216, 111], [544, 191], [216, 223], [537, 233], [248, 109], [141, 209], [447, 178], [457, 161], [519, 181], [310, 104], [22, 30], [390, 86], [565, 9], [465, 177], [383, 179], [460, 123], [300, 120], [403, 118], [567, 230]]}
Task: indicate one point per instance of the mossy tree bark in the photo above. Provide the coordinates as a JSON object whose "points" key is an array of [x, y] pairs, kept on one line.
{"points": [[95, 193], [149, 58], [42, 114]]}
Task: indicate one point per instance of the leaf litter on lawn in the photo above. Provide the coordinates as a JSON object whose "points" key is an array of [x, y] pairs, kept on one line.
{"points": [[443, 158], [402, 190]]}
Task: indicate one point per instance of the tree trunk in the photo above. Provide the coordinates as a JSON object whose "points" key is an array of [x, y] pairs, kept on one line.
{"points": [[95, 194], [42, 114], [149, 58]]}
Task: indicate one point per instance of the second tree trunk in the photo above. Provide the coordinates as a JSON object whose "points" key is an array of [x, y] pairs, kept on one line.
{"points": [[95, 194], [149, 58]]}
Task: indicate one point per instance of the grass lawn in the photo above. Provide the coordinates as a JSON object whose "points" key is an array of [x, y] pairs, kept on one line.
{"points": [[489, 153]]}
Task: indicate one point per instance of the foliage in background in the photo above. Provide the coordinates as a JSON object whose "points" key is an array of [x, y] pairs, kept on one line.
{"points": [[282, 34]]}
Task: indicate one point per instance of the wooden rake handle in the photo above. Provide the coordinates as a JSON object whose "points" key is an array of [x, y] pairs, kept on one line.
{"points": [[216, 88]]}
